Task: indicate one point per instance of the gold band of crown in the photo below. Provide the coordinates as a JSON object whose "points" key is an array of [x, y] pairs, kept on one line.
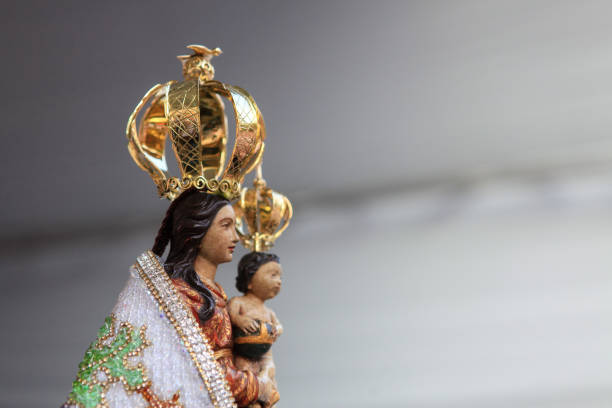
{"points": [[192, 113], [264, 212]]}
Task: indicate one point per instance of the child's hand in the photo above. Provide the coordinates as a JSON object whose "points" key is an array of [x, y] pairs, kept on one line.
{"points": [[278, 330], [247, 324]]}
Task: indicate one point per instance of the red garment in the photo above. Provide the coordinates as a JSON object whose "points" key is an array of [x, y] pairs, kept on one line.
{"points": [[218, 331]]}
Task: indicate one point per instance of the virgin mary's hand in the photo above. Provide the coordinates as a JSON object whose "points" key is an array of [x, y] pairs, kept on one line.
{"points": [[268, 394]]}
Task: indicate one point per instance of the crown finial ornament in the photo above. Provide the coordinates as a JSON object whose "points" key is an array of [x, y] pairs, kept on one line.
{"points": [[192, 113], [264, 212], [197, 65]]}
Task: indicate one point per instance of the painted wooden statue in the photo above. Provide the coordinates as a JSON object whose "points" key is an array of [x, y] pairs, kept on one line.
{"points": [[265, 214], [169, 340]]}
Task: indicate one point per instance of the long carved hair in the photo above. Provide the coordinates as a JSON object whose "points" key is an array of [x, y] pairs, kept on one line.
{"points": [[186, 222]]}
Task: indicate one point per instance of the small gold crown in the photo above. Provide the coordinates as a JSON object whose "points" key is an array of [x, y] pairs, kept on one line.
{"points": [[265, 213], [191, 112]]}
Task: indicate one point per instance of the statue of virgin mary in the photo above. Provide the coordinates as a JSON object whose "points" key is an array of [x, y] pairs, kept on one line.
{"points": [[168, 340]]}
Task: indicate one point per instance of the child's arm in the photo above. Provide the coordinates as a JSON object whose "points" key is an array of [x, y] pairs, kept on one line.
{"points": [[276, 323], [236, 311]]}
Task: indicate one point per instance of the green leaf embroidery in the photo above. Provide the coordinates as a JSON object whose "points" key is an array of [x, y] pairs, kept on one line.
{"points": [[105, 361]]}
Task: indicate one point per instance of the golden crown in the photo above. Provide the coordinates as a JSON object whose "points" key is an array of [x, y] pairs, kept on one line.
{"points": [[264, 212], [192, 113]]}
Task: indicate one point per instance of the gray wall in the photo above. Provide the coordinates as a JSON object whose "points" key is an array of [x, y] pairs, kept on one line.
{"points": [[449, 162]]}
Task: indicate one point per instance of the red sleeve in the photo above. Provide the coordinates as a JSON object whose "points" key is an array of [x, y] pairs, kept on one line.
{"points": [[243, 384]]}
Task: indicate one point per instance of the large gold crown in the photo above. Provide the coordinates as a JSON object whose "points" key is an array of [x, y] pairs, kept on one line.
{"points": [[264, 212], [191, 112]]}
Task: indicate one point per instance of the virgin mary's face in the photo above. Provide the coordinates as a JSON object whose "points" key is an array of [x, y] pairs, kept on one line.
{"points": [[220, 240]]}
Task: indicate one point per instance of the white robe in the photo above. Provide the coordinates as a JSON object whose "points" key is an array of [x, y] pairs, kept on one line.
{"points": [[170, 366]]}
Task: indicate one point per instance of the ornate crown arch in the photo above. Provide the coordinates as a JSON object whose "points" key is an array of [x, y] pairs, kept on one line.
{"points": [[191, 112]]}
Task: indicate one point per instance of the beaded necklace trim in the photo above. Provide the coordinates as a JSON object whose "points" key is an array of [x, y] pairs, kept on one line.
{"points": [[160, 286]]}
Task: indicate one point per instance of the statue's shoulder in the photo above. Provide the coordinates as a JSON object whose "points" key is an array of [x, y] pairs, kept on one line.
{"points": [[235, 301], [127, 364]]}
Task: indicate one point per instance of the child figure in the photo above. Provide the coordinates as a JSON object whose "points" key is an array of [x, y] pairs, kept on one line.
{"points": [[255, 327]]}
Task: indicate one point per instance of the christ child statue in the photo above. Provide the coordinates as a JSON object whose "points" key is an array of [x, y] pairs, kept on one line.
{"points": [[255, 326]]}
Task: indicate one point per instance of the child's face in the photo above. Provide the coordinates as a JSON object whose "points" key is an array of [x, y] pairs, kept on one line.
{"points": [[266, 282]]}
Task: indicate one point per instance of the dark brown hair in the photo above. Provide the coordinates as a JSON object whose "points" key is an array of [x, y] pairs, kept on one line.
{"points": [[186, 222], [248, 265]]}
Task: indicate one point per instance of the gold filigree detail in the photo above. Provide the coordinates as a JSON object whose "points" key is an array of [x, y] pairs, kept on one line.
{"points": [[264, 212], [155, 401], [192, 114]]}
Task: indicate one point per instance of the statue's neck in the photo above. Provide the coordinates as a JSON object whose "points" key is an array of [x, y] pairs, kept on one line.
{"points": [[205, 269], [254, 299]]}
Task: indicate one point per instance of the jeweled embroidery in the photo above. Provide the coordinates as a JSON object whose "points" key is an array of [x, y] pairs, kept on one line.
{"points": [[161, 288], [106, 362]]}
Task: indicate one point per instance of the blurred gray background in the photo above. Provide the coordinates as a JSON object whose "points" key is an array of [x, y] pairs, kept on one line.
{"points": [[450, 164]]}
